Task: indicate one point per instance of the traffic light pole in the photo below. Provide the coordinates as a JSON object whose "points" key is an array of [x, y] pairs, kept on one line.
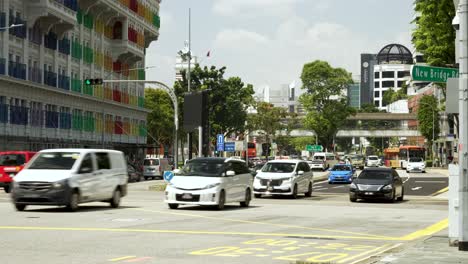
{"points": [[174, 102]]}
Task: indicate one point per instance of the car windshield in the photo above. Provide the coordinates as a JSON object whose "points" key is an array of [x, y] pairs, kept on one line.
{"points": [[12, 159], [319, 157], [205, 168], [415, 159], [54, 161], [276, 167], [355, 158], [341, 168], [372, 158], [375, 175]]}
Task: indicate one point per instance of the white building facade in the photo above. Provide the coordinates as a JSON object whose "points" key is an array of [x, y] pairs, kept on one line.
{"points": [[44, 102], [389, 76]]}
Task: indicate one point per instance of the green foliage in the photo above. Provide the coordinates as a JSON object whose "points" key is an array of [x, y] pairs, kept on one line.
{"points": [[229, 98], [434, 35], [161, 118], [428, 117], [267, 119], [391, 96], [327, 109], [300, 143]]}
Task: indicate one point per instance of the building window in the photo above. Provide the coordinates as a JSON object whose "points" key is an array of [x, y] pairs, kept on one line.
{"points": [[403, 74], [376, 94], [388, 74], [376, 84], [376, 103], [388, 84], [291, 109], [377, 75], [400, 83]]}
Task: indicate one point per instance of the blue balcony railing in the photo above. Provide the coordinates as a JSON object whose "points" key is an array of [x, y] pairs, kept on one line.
{"points": [[2, 20], [64, 46], [50, 41], [35, 75], [50, 78], [18, 115], [3, 113], [65, 120], [51, 119], [17, 70], [64, 82]]}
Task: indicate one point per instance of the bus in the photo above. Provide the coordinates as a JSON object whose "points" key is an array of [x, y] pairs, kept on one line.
{"points": [[391, 157], [251, 150], [407, 152]]}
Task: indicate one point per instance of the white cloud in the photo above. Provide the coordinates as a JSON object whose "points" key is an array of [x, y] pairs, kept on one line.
{"points": [[279, 8]]}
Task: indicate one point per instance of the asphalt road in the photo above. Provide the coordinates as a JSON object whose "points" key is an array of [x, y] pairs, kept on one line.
{"points": [[323, 228], [419, 184]]}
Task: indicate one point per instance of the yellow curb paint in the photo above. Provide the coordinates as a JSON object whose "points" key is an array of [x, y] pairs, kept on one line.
{"points": [[191, 232], [267, 224], [440, 191], [121, 258], [363, 254], [439, 226]]}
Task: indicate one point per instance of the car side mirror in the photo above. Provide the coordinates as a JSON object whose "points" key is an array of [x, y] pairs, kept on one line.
{"points": [[300, 172], [177, 171], [329, 169], [230, 173], [258, 171], [84, 170]]}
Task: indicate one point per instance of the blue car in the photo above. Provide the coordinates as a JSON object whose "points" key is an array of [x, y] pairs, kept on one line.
{"points": [[341, 173]]}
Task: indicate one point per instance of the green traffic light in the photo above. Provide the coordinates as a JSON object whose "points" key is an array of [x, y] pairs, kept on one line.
{"points": [[88, 82]]}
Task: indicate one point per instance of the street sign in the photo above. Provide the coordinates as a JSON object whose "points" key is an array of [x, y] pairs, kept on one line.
{"points": [[230, 146], [314, 148], [168, 175], [432, 74], [220, 142]]}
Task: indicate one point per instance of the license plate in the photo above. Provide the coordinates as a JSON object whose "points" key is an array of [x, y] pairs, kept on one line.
{"points": [[270, 189], [369, 193], [32, 196], [187, 196]]}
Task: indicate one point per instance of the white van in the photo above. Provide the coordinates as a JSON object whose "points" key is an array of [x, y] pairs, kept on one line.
{"points": [[155, 167], [323, 160], [70, 177]]}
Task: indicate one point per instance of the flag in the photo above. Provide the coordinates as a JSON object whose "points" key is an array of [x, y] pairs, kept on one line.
{"points": [[209, 53]]}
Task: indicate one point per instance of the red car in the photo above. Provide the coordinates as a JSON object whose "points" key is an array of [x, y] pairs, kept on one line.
{"points": [[11, 162]]}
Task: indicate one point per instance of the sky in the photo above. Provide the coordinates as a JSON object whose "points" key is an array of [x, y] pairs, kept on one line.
{"points": [[267, 42]]}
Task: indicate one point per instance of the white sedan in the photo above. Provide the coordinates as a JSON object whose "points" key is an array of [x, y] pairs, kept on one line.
{"points": [[416, 164]]}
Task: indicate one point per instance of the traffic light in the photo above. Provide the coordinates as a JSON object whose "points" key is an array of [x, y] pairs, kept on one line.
{"points": [[93, 81]]}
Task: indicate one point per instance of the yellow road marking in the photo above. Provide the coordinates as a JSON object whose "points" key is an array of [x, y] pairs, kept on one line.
{"points": [[266, 223], [363, 254], [192, 232], [121, 258], [439, 226], [376, 253], [440, 191]]}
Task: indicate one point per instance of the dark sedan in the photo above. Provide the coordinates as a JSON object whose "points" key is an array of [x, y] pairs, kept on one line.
{"points": [[134, 175], [377, 183]]}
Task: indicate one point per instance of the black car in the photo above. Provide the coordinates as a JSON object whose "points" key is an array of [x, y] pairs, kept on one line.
{"points": [[134, 175], [377, 183]]}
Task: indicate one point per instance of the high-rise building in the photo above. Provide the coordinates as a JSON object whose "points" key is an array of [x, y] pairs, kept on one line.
{"points": [[43, 100], [183, 65], [367, 78], [354, 95]]}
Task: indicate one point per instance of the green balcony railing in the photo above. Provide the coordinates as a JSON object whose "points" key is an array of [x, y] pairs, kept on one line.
{"points": [[77, 122], [141, 102], [76, 85]]}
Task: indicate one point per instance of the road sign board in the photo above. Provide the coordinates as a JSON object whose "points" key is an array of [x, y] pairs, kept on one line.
{"points": [[220, 142], [168, 175], [432, 74], [314, 148], [230, 146]]}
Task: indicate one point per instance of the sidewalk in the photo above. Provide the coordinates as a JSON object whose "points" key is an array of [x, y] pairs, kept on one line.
{"points": [[430, 250], [443, 171]]}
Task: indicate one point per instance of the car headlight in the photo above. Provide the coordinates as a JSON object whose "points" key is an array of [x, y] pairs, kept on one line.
{"points": [[209, 186], [353, 186], [15, 184], [59, 184], [387, 188]]}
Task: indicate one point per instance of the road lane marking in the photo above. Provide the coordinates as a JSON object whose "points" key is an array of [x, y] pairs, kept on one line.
{"points": [[261, 223], [320, 189], [341, 186], [431, 181], [121, 258], [363, 254], [138, 259], [439, 226], [376, 253], [440, 191], [416, 188], [196, 232]]}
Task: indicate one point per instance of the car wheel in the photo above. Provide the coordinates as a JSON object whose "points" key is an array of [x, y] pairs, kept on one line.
{"points": [[393, 198], [423, 171], [248, 197], [73, 202], [309, 190], [257, 195], [7, 188], [361, 168], [222, 200], [146, 178], [173, 206], [294, 194], [115, 200], [20, 207], [407, 171], [353, 200], [402, 195], [330, 182]]}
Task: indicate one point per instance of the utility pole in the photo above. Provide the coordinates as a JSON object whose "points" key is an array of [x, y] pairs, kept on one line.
{"points": [[463, 117]]}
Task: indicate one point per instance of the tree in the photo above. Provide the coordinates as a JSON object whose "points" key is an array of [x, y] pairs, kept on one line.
{"points": [[428, 118], [229, 99], [391, 95], [267, 120], [327, 108], [434, 35], [161, 117], [300, 143]]}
